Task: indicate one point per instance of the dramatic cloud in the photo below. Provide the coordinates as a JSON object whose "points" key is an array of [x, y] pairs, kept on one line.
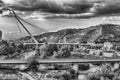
{"points": [[52, 6], [67, 8]]}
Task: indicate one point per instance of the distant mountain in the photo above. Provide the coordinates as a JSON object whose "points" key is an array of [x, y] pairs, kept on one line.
{"points": [[54, 36], [101, 32], [98, 33]]}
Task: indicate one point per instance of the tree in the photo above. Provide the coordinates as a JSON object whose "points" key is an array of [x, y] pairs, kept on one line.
{"points": [[8, 51], [51, 49], [118, 48], [65, 52]]}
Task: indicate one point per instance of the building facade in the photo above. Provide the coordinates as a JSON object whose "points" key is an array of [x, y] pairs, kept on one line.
{"points": [[0, 35]]}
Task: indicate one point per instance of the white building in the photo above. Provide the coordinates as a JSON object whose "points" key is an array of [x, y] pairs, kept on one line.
{"points": [[107, 46]]}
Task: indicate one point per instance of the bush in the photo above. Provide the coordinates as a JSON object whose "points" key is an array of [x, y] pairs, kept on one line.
{"points": [[118, 48], [7, 51], [65, 52], [51, 49]]}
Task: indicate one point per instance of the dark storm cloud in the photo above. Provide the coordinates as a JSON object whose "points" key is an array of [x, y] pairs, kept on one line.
{"points": [[1, 3], [108, 9], [53, 7], [72, 8]]}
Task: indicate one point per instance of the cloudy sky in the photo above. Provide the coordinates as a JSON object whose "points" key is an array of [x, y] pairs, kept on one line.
{"points": [[52, 15], [82, 8]]}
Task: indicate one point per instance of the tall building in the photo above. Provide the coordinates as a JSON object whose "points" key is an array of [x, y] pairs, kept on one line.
{"points": [[0, 35]]}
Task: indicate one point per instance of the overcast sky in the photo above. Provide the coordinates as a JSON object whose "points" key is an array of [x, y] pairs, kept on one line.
{"points": [[52, 15], [93, 7]]}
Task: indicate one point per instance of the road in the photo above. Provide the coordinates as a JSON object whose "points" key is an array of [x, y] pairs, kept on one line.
{"points": [[47, 61]]}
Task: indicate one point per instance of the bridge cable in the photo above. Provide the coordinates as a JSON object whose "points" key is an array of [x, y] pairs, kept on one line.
{"points": [[16, 17], [19, 28], [28, 22], [24, 27]]}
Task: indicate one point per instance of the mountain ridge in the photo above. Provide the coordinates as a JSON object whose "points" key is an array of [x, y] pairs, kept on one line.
{"points": [[96, 33]]}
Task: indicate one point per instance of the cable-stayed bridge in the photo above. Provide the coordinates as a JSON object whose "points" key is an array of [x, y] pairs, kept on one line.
{"points": [[43, 61]]}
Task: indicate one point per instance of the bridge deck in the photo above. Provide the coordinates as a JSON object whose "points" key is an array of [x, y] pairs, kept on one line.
{"points": [[47, 61]]}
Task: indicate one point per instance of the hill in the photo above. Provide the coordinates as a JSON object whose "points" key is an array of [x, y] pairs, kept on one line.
{"points": [[99, 33]]}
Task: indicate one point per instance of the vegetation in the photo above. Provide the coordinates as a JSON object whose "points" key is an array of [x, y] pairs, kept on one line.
{"points": [[51, 49], [98, 34]]}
